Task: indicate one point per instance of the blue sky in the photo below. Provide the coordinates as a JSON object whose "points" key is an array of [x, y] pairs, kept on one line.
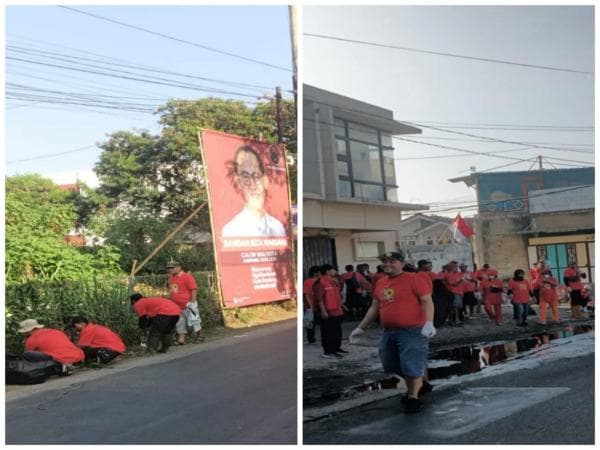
{"points": [[35, 129], [451, 92]]}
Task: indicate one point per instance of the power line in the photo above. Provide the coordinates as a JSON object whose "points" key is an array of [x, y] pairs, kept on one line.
{"points": [[511, 126], [51, 155], [453, 55], [172, 38]]}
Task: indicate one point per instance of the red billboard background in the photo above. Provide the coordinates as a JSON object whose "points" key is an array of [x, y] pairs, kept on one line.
{"points": [[253, 250]]}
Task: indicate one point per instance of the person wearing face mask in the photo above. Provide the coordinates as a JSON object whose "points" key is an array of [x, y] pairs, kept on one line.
{"points": [[520, 290], [251, 180], [548, 296], [403, 303], [491, 290]]}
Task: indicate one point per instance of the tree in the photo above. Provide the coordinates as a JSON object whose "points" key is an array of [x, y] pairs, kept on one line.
{"points": [[38, 216]]}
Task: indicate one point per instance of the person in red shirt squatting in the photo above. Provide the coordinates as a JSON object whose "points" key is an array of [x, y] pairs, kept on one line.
{"points": [[328, 303], [160, 315], [183, 290], [44, 344], [548, 296], [572, 278], [405, 309], [98, 342], [491, 289], [520, 289], [308, 300]]}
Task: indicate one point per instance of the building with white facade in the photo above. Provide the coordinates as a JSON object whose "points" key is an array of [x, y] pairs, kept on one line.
{"points": [[351, 211]]}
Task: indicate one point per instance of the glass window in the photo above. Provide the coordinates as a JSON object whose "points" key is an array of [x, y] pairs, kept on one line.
{"points": [[392, 194], [342, 168], [386, 140], [368, 191], [368, 249], [341, 146], [362, 133], [388, 166], [344, 188], [365, 162], [338, 127]]}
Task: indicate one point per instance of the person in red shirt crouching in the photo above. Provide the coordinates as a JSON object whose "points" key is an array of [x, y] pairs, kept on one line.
{"points": [[403, 303], [160, 315], [45, 344], [97, 342]]}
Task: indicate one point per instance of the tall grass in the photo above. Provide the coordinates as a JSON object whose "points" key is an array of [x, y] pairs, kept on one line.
{"points": [[103, 301]]}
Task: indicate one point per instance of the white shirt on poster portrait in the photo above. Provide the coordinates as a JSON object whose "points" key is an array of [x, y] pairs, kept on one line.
{"points": [[246, 224]]}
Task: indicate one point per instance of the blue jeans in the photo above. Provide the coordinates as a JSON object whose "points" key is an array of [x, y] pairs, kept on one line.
{"points": [[521, 312], [404, 351]]}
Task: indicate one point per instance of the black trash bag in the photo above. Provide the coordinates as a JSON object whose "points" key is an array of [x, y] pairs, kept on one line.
{"points": [[19, 371]]}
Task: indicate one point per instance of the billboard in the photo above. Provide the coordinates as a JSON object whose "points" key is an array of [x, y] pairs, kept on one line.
{"points": [[250, 215]]}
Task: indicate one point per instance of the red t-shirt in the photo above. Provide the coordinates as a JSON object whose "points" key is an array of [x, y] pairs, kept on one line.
{"points": [[54, 343], [520, 291], [156, 306], [482, 274], [489, 297], [376, 277], [548, 292], [454, 282], [467, 284], [98, 336], [362, 281], [327, 291], [426, 276], [575, 285], [307, 290], [181, 287], [399, 304]]}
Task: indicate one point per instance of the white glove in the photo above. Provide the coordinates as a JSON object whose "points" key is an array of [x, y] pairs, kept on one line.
{"points": [[428, 330], [355, 335]]}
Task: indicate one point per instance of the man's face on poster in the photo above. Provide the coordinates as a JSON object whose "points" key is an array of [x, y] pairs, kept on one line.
{"points": [[250, 179]]}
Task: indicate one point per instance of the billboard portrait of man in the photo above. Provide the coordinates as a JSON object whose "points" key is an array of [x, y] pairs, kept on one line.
{"points": [[248, 191], [253, 220]]}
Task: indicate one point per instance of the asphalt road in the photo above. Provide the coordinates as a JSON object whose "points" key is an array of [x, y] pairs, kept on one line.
{"points": [[243, 392], [549, 404]]}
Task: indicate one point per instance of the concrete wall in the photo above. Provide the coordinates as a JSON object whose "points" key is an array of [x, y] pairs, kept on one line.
{"points": [[349, 216]]}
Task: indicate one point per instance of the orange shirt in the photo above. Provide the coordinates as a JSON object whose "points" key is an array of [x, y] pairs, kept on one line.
{"points": [[399, 304], [181, 287], [156, 306], [98, 336], [54, 343], [520, 290], [548, 292]]}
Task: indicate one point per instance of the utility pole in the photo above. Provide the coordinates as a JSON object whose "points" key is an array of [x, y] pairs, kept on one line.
{"points": [[293, 18], [278, 105], [540, 162]]}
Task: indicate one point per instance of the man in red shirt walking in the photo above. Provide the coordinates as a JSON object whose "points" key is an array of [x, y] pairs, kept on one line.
{"points": [[44, 344], [160, 315], [308, 302], [98, 342], [454, 283], [403, 303], [572, 278], [520, 290], [183, 290]]}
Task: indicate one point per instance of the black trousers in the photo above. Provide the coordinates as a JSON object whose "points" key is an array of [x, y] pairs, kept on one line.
{"points": [[40, 357], [577, 298], [161, 332], [331, 334], [104, 355]]}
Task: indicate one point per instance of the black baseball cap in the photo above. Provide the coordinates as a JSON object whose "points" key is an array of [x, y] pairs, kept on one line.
{"points": [[399, 256]]}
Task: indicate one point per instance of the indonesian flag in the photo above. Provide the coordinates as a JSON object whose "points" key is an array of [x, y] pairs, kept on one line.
{"points": [[461, 231]]}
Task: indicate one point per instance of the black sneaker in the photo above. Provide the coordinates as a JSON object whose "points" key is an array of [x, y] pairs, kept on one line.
{"points": [[413, 405]]}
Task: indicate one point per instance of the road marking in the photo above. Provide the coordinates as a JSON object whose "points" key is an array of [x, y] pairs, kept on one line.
{"points": [[462, 413]]}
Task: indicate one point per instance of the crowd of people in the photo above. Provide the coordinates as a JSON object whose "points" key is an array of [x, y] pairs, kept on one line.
{"points": [[410, 302], [163, 320]]}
